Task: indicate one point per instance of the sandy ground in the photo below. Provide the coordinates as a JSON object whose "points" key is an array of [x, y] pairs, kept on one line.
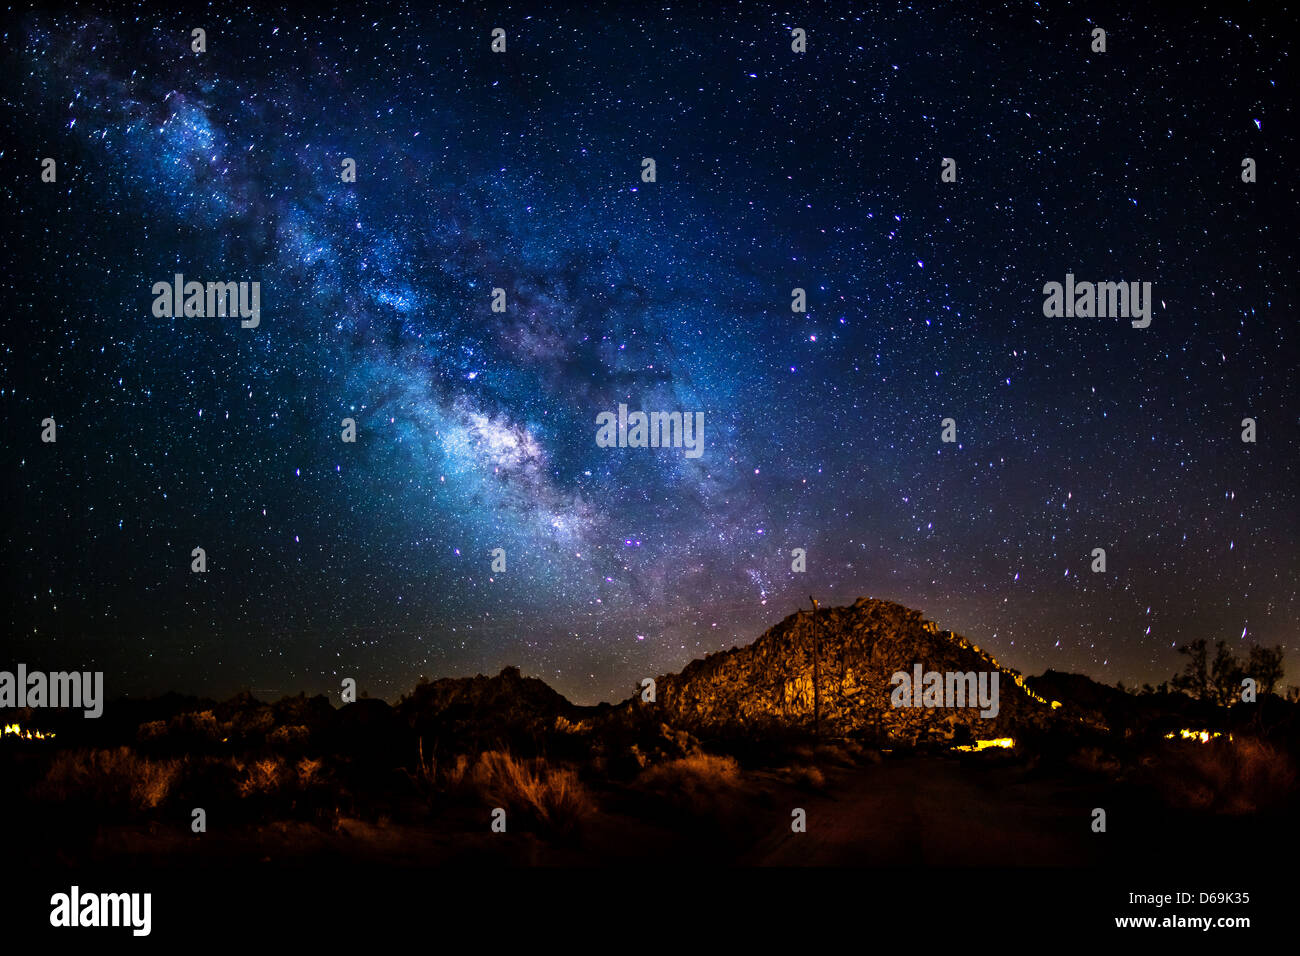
{"points": [[934, 812], [906, 811]]}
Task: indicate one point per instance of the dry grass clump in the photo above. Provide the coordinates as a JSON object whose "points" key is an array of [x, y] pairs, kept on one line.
{"points": [[263, 777], [701, 785], [698, 771], [552, 797], [311, 772]]}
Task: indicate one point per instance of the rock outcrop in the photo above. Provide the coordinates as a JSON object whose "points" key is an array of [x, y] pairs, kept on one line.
{"points": [[768, 685], [474, 712]]}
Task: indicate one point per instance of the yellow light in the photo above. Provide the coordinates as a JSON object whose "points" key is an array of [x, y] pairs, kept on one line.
{"points": [[16, 730], [1203, 736], [1002, 742]]}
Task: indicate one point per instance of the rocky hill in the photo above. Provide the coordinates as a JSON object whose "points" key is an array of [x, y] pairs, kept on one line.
{"points": [[485, 711], [768, 685]]}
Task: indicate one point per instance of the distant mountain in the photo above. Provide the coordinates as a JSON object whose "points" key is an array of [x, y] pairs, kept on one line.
{"points": [[768, 685]]}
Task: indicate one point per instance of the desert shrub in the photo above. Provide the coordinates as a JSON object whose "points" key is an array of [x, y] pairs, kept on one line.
{"points": [[253, 724], [114, 778], [853, 750], [565, 726], [1238, 776], [201, 725], [701, 785], [263, 777], [454, 775], [153, 730], [318, 795], [208, 780], [552, 797], [807, 776], [310, 772], [290, 735], [120, 780], [432, 776], [699, 770], [154, 781], [843, 753]]}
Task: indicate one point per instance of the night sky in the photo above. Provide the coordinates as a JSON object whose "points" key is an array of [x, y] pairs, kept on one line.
{"points": [[477, 430]]}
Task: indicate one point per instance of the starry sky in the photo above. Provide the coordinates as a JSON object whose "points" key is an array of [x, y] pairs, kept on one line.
{"points": [[476, 430]]}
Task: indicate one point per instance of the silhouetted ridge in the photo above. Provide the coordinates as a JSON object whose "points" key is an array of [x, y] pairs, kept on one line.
{"points": [[486, 711]]}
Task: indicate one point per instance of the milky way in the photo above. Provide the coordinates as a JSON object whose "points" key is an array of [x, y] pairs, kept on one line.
{"points": [[476, 429]]}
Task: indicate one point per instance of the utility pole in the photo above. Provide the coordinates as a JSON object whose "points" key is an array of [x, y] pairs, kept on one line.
{"points": [[817, 683]]}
